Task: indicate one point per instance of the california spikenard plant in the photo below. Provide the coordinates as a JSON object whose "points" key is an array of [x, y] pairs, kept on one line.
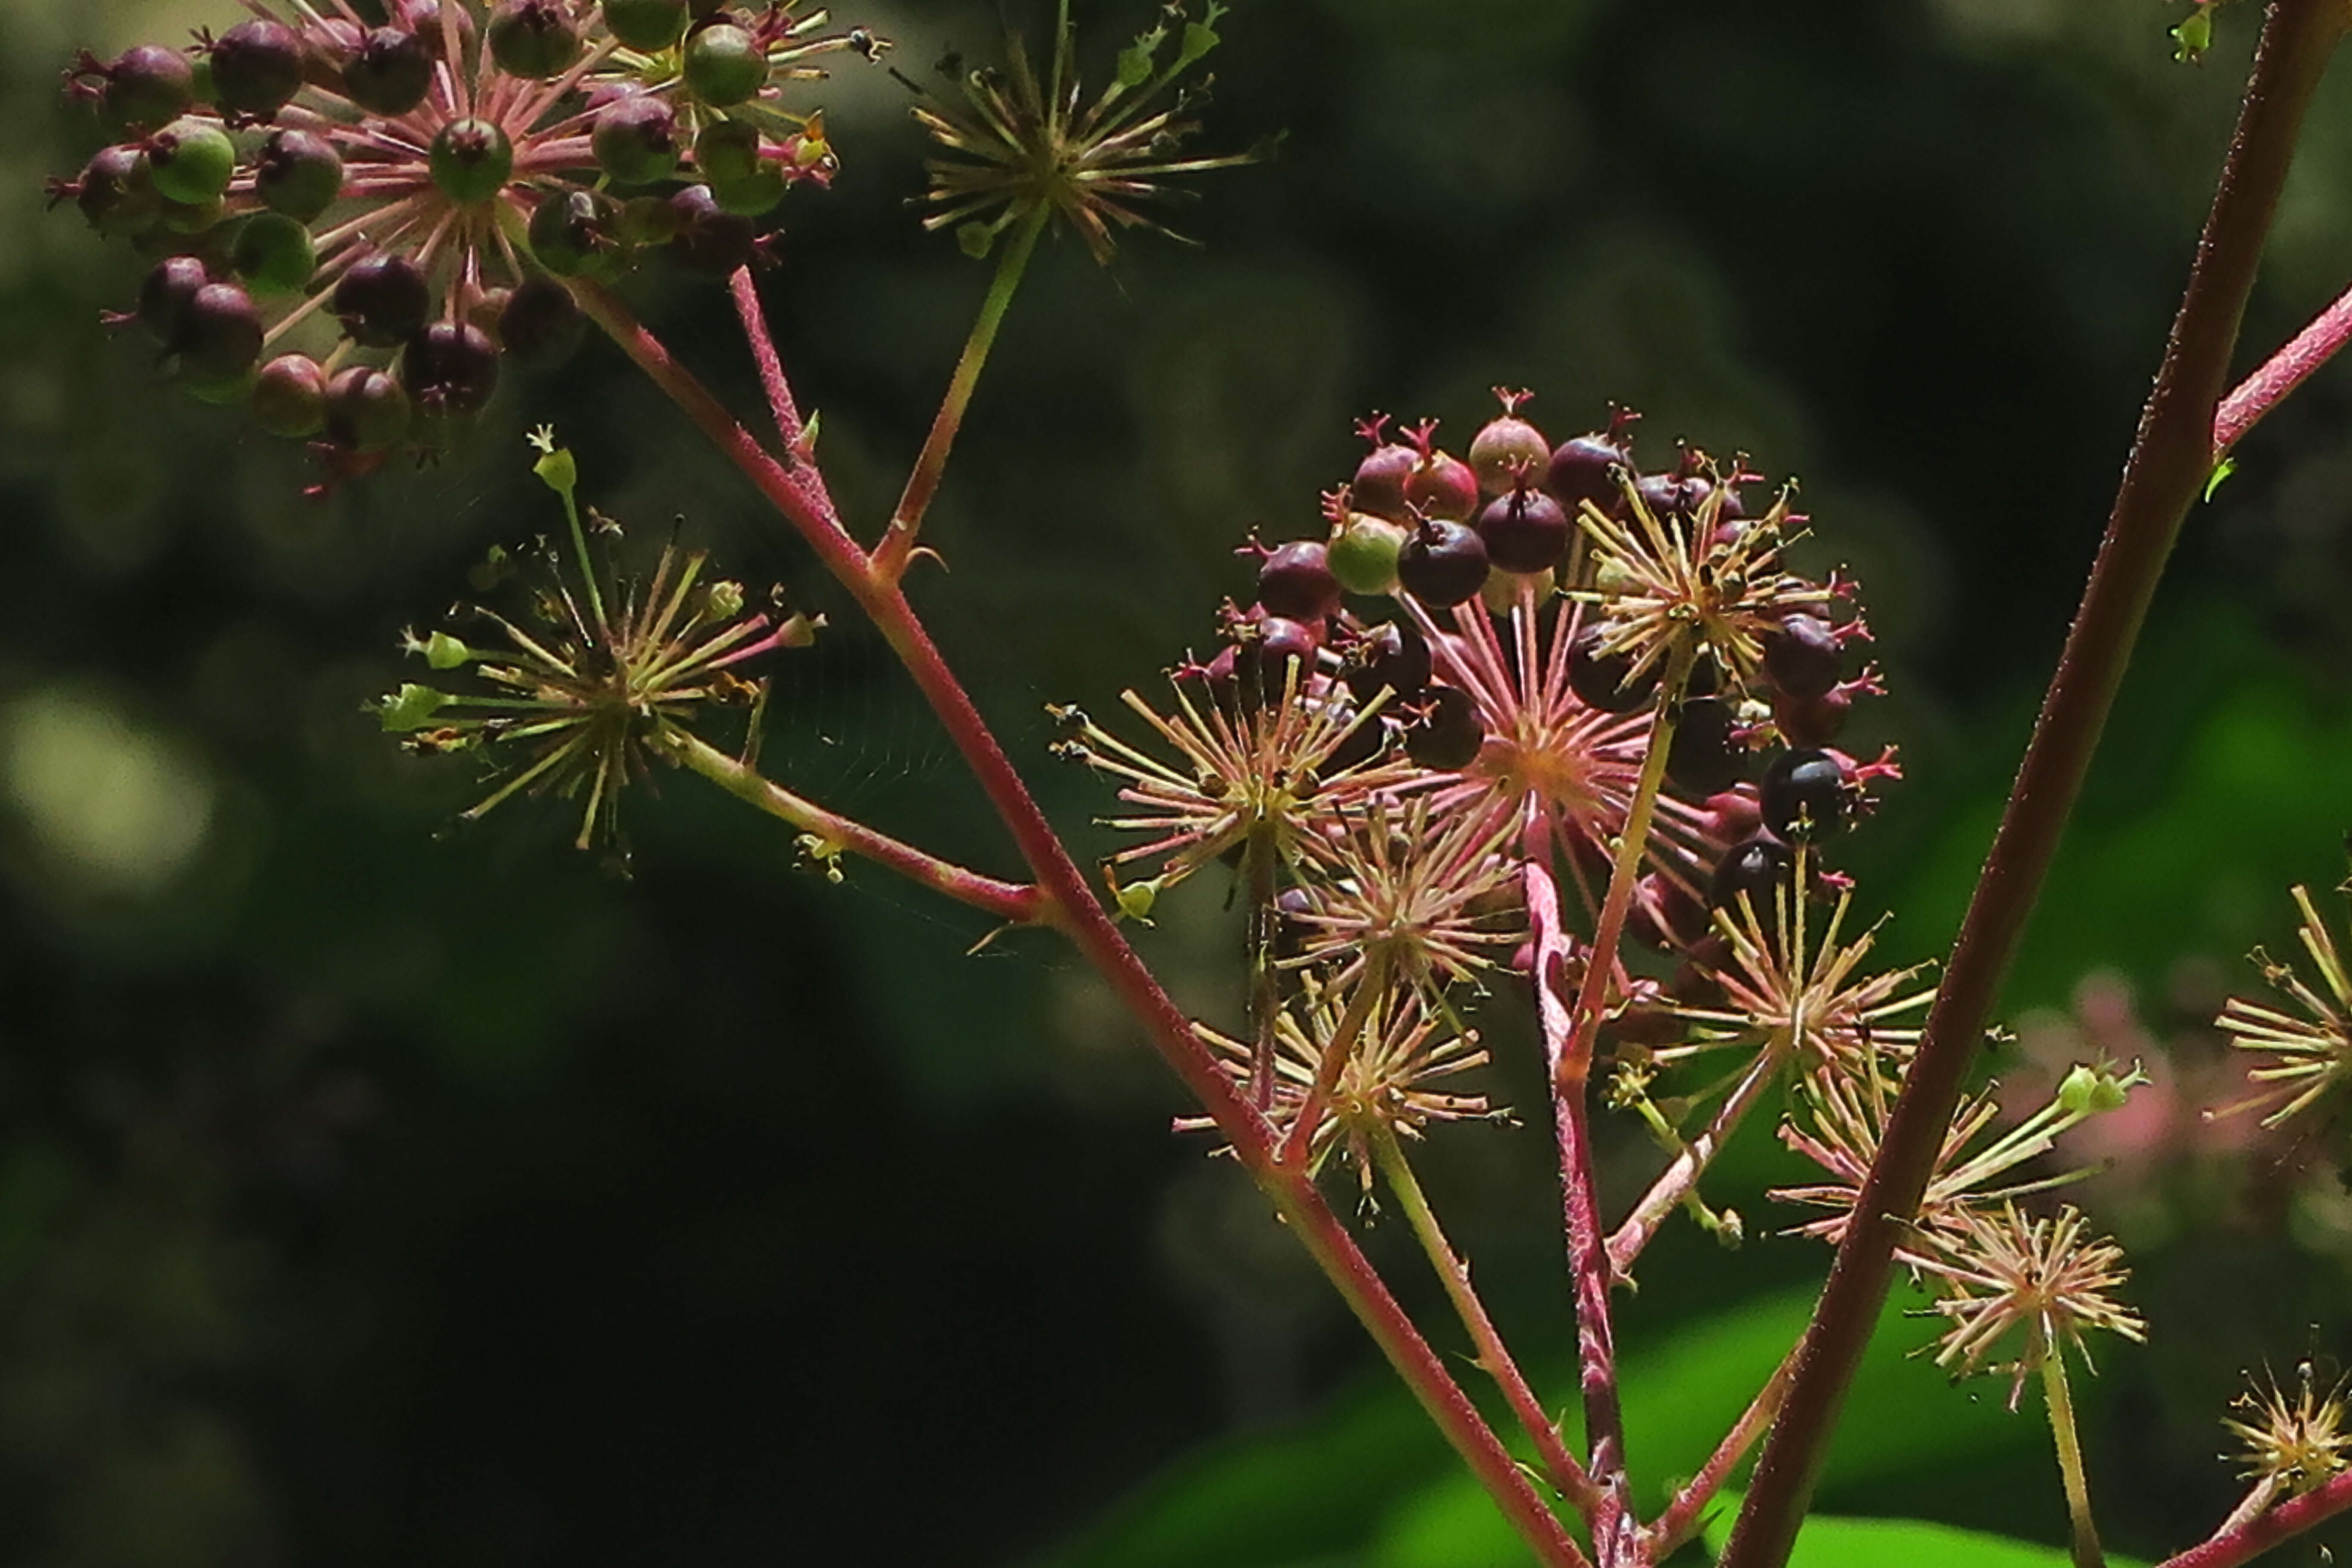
{"points": [[1554, 715]]}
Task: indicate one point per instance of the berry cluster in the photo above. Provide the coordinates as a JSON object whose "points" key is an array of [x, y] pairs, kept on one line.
{"points": [[429, 174], [1471, 661]]}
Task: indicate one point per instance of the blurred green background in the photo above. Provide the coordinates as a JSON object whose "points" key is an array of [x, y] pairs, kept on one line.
{"points": [[375, 1193]]}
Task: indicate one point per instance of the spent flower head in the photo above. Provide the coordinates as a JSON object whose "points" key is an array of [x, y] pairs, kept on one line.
{"points": [[429, 185], [2003, 1273], [2291, 1445], [1422, 902], [1032, 150], [581, 693], [2302, 1055]]}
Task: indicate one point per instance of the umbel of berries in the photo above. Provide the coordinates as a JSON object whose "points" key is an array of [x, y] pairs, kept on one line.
{"points": [[392, 203]]}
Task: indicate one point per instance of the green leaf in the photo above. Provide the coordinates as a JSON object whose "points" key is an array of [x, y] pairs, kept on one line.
{"points": [[1827, 1542]]}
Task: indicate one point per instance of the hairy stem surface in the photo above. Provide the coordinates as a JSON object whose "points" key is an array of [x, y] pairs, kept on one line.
{"points": [[2170, 460]]}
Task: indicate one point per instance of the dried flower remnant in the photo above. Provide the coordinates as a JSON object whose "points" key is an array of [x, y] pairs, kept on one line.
{"points": [[593, 685], [1423, 904], [2301, 1057], [430, 182], [1361, 1062], [2289, 1446], [2004, 1273], [1027, 151], [1842, 1120]]}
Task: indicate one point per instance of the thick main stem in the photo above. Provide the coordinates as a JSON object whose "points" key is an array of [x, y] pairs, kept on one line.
{"points": [[1300, 1203], [2166, 469], [923, 480], [1494, 1357]]}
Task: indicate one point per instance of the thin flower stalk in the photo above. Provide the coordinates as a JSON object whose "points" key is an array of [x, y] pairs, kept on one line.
{"points": [[1559, 1466], [1677, 1185], [2083, 1531], [2242, 1541], [1688, 1512]]}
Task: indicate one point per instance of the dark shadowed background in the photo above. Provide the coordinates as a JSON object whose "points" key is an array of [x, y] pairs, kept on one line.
{"points": [[373, 1193]]}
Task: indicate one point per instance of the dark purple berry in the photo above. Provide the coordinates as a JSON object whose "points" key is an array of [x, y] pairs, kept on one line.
{"points": [[117, 193], [1443, 563], [1441, 485], [1507, 450], [256, 66], [1523, 530], [289, 396], [1607, 681], [1707, 754], [1448, 735], [1208, 684], [218, 335], [635, 139], [710, 240], [1391, 658], [147, 85], [541, 322], [1360, 746], [1379, 485], [1732, 814], [1582, 469], [1665, 914], [1802, 656], [1296, 580], [1805, 794], [450, 367], [1813, 720], [328, 43], [366, 409], [1762, 869], [533, 38], [1672, 495], [383, 301], [1262, 665], [391, 71], [298, 173], [165, 292]]}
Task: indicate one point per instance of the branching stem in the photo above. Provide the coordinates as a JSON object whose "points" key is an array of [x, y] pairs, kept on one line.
{"points": [[2281, 374], [2244, 1540], [1012, 902], [1683, 1514], [803, 504]]}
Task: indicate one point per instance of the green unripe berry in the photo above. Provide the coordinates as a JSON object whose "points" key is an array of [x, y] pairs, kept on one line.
{"points": [[1363, 554], [570, 234], [190, 160], [289, 396], [274, 253], [298, 173], [443, 651], [472, 159], [533, 38], [645, 24], [648, 220], [754, 194], [2088, 1092], [193, 217], [727, 151], [725, 64]]}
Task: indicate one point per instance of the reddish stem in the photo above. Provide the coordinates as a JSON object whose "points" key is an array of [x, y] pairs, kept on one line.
{"points": [[2281, 374], [2265, 1530], [1614, 1536], [1682, 1516], [1295, 1194], [2167, 467]]}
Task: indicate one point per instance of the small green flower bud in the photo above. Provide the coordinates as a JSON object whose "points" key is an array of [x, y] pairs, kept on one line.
{"points": [[443, 651], [409, 708], [725, 601], [799, 631], [1136, 900], [555, 467]]}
